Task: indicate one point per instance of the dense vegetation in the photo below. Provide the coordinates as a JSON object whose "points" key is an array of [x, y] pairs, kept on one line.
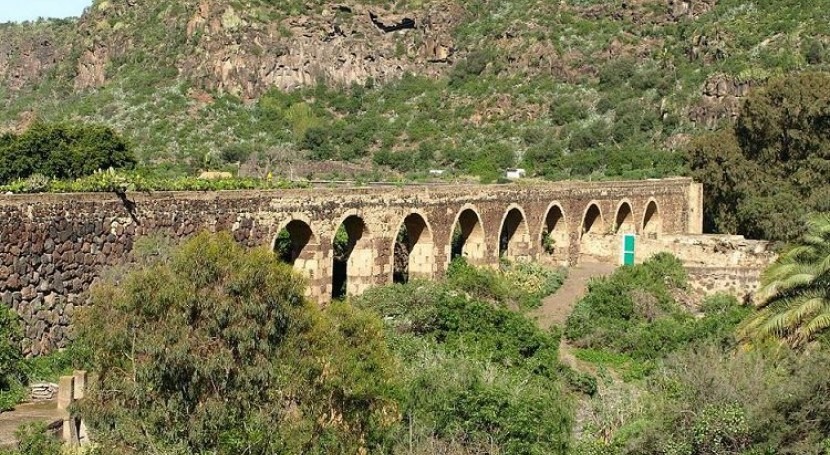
{"points": [[61, 151], [209, 348], [566, 89], [674, 383], [217, 351], [765, 173], [635, 312], [794, 300]]}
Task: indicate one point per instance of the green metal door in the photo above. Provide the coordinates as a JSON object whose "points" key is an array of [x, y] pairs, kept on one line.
{"points": [[628, 249]]}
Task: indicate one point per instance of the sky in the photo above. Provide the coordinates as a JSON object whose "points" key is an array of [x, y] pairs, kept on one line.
{"points": [[21, 10]]}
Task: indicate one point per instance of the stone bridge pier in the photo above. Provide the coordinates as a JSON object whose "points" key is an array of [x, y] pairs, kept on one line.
{"points": [[343, 240]]}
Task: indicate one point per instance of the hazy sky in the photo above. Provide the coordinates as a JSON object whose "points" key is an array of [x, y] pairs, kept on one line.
{"points": [[21, 10]]}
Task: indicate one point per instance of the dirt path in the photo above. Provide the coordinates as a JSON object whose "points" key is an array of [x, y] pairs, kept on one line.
{"points": [[46, 412], [557, 306]]}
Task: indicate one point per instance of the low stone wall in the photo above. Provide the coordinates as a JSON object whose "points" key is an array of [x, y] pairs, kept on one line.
{"points": [[742, 282], [715, 263]]}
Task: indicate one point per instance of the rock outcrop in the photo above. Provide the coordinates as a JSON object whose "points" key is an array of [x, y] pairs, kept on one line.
{"points": [[720, 99], [240, 51]]}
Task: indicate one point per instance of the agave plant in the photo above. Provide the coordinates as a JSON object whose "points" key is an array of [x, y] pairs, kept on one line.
{"points": [[794, 298]]}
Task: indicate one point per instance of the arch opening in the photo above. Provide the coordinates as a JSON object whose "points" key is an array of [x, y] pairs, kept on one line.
{"points": [[624, 222], [554, 240], [297, 246], [514, 237], [652, 225], [351, 259], [292, 241], [592, 222], [413, 254], [468, 238]]}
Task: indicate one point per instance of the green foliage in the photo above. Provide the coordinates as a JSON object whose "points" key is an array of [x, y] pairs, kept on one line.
{"points": [[217, 351], [473, 371], [11, 371], [62, 151], [34, 439], [120, 181], [564, 72], [516, 284], [752, 402], [774, 157], [633, 312], [794, 299]]}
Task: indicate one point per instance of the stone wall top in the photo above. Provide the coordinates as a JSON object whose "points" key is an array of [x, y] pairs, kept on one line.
{"points": [[658, 186]]}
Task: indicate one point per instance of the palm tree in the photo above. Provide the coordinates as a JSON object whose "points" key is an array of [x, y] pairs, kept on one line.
{"points": [[794, 298]]}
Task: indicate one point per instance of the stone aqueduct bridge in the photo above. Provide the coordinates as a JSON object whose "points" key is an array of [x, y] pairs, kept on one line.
{"points": [[52, 247]]}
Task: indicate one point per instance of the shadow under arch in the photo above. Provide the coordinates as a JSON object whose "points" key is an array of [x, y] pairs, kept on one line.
{"points": [[413, 251], [592, 220], [553, 238], [652, 224], [514, 234], [468, 238], [624, 220], [352, 257]]}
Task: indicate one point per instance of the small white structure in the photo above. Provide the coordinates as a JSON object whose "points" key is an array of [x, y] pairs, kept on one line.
{"points": [[436, 172], [514, 173]]}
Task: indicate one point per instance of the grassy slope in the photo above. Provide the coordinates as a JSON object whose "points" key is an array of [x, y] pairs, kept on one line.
{"points": [[575, 112]]}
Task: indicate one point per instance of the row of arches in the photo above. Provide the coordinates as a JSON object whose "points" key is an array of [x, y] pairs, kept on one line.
{"points": [[413, 252]]}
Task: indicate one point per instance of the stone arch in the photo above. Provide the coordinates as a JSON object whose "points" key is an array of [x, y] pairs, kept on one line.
{"points": [[467, 238], [553, 238], [652, 224], [352, 257], [296, 243], [413, 252], [624, 221], [592, 220], [514, 234]]}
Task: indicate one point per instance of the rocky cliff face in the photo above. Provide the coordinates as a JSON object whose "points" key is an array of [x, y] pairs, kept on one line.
{"points": [[239, 51]]}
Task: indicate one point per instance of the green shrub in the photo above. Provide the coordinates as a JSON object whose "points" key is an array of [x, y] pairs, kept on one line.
{"points": [[11, 372], [473, 371], [62, 151], [712, 401], [216, 350], [34, 439], [633, 312], [521, 285]]}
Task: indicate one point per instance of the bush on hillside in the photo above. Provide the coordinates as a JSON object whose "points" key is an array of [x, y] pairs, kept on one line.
{"points": [[62, 151], [521, 285], [216, 350], [755, 402], [11, 373], [634, 312], [473, 371], [774, 157]]}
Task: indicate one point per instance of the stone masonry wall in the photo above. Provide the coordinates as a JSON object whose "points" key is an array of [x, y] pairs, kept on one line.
{"points": [[53, 247]]}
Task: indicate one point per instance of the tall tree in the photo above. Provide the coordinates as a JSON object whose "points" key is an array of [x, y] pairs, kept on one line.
{"points": [[794, 299], [762, 175]]}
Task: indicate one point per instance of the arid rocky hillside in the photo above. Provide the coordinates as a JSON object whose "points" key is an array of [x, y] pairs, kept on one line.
{"points": [[577, 87]]}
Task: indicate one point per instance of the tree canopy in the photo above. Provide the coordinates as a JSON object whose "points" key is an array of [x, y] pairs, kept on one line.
{"points": [[762, 176], [217, 351], [62, 151]]}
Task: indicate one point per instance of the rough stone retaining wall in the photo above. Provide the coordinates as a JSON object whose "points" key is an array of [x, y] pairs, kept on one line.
{"points": [[742, 282]]}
